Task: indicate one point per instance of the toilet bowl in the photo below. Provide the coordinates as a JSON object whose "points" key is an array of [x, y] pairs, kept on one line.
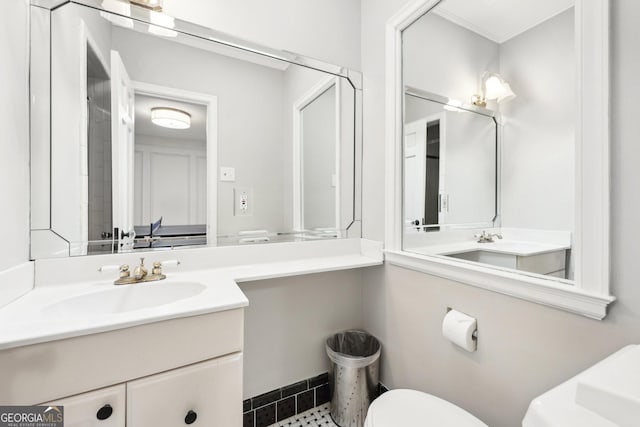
{"points": [[411, 408]]}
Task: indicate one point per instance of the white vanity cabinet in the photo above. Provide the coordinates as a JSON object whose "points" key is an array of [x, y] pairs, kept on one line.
{"points": [[549, 263], [99, 408], [203, 394]]}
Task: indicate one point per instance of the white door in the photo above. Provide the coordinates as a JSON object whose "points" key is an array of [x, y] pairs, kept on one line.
{"points": [[415, 144], [122, 136], [415, 172], [100, 408]]}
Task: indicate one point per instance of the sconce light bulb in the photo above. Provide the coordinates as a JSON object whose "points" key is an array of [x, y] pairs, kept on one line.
{"points": [[496, 88]]}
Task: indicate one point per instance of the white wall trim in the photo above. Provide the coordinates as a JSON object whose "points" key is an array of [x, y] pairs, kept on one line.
{"points": [[211, 102], [543, 291], [592, 241], [591, 244], [308, 97]]}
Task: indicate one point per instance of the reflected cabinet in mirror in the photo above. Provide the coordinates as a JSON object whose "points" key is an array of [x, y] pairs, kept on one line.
{"points": [[490, 159], [160, 134]]}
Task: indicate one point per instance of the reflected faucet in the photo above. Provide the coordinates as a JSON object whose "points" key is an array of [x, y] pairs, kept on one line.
{"points": [[485, 237]]}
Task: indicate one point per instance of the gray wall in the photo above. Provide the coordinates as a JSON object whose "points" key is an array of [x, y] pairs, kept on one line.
{"points": [[323, 29], [288, 321], [539, 127], [524, 348], [445, 58], [14, 133]]}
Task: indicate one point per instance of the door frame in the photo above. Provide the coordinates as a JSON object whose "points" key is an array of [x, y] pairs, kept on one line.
{"points": [[298, 168]]}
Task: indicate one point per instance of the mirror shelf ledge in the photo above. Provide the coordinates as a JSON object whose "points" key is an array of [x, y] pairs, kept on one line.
{"points": [[529, 288]]}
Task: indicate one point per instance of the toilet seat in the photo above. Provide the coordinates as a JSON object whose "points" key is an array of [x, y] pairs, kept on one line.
{"points": [[411, 408]]}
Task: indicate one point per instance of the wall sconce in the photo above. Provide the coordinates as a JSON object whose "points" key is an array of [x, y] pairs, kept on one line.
{"points": [[171, 118], [493, 87], [149, 4]]}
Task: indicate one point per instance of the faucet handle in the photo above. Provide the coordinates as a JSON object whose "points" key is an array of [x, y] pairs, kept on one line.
{"points": [[124, 271], [170, 263], [109, 268], [157, 268]]}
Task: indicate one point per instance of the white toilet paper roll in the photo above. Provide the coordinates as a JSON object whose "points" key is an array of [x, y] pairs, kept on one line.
{"points": [[459, 329]]}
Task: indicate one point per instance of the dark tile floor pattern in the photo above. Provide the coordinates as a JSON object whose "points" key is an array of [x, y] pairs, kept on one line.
{"points": [[283, 403]]}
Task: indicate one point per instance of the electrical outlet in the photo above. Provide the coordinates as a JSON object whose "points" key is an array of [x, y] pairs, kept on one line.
{"points": [[242, 202]]}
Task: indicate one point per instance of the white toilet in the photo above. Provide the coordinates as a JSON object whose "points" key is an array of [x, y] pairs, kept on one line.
{"points": [[411, 408]]}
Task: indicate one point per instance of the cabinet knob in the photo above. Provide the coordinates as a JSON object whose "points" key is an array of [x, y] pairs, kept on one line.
{"points": [[191, 417], [104, 412]]}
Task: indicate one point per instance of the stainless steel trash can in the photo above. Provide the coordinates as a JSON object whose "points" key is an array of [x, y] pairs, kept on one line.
{"points": [[353, 376]]}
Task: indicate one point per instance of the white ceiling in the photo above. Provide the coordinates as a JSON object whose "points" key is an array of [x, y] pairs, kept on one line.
{"points": [[500, 20], [143, 125]]}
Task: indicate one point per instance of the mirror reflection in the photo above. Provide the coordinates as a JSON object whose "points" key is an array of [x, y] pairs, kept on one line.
{"points": [[489, 133], [449, 163], [160, 139]]}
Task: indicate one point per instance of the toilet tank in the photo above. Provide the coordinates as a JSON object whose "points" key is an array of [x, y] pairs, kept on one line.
{"points": [[604, 395]]}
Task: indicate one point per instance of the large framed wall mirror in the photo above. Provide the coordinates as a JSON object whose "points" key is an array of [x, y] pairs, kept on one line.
{"points": [[153, 133], [500, 158]]}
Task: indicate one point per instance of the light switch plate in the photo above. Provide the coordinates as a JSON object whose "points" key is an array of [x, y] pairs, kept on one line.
{"points": [[227, 174]]}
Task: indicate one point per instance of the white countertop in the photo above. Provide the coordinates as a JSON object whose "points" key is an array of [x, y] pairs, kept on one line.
{"points": [[28, 320], [507, 247]]}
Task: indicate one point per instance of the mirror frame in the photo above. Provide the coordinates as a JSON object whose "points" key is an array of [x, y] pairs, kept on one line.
{"points": [[589, 296], [45, 242]]}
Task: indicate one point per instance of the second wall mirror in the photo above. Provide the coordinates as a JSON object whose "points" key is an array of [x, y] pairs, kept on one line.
{"points": [[490, 144]]}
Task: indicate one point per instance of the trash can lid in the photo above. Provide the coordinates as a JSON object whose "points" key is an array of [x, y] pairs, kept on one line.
{"points": [[414, 408]]}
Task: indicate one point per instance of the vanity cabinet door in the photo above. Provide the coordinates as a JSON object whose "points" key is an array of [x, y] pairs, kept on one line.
{"points": [[207, 394], [99, 408]]}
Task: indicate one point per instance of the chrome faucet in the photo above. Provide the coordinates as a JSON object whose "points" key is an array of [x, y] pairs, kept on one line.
{"points": [[485, 237]]}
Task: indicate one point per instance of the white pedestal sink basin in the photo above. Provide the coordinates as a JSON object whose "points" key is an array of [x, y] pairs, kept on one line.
{"points": [[125, 298]]}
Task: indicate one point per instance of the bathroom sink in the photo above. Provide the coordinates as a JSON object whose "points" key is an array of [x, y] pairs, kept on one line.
{"points": [[125, 298]]}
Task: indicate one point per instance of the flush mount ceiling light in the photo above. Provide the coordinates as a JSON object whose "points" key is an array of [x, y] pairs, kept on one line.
{"points": [[171, 118], [493, 87]]}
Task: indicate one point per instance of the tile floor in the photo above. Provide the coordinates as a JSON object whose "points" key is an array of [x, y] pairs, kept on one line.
{"points": [[316, 417]]}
